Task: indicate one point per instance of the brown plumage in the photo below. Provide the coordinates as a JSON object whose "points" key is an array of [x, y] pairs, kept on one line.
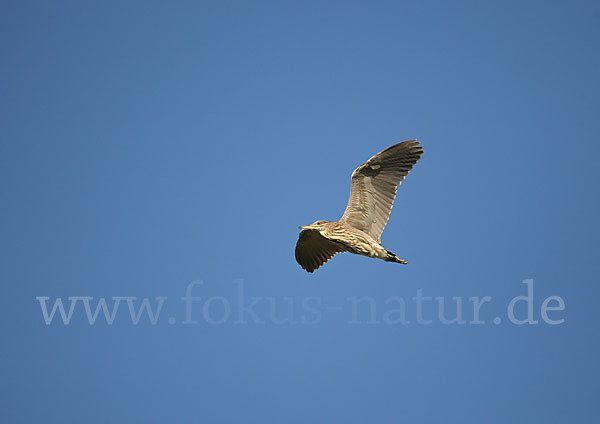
{"points": [[372, 194]]}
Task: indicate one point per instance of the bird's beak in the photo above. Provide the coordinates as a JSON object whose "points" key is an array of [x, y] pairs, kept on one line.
{"points": [[302, 227]]}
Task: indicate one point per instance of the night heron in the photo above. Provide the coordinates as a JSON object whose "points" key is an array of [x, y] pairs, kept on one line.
{"points": [[372, 193]]}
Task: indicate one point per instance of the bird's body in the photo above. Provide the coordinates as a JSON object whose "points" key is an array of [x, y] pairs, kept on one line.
{"points": [[350, 239], [372, 194]]}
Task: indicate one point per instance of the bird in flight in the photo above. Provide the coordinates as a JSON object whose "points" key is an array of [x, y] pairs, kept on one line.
{"points": [[372, 193]]}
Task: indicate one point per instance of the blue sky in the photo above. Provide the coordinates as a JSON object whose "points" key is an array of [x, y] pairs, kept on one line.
{"points": [[149, 145]]}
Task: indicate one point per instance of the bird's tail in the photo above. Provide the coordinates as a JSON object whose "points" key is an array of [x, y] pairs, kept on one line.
{"points": [[393, 258]]}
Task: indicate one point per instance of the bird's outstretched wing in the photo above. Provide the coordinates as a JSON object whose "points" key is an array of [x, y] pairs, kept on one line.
{"points": [[374, 184], [313, 250]]}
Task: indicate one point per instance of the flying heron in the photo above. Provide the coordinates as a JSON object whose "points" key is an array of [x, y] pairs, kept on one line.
{"points": [[372, 193]]}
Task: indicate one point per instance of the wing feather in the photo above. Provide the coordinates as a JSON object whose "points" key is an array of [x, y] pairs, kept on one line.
{"points": [[313, 250], [374, 185]]}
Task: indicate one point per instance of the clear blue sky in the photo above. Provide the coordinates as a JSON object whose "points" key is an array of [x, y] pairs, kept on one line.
{"points": [[148, 145]]}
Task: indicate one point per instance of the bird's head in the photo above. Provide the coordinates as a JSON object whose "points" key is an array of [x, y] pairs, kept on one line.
{"points": [[317, 225]]}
